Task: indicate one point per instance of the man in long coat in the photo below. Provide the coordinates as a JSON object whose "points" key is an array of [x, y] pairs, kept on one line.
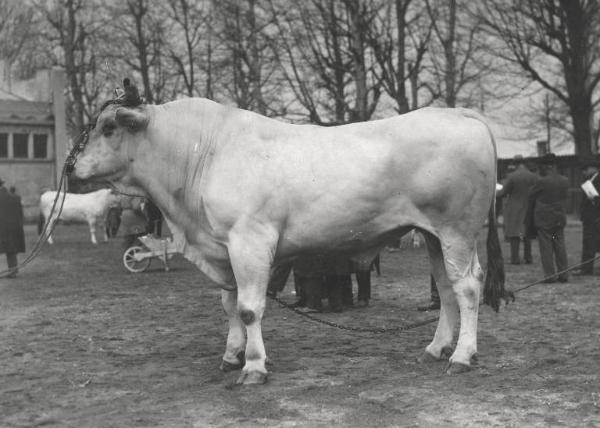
{"points": [[548, 198], [590, 219], [516, 190], [12, 236]]}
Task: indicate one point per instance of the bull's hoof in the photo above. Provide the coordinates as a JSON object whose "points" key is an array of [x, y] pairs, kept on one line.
{"points": [[447, 352], [508, 297], [227, 367], [426, 358], [252, 378], [457, 368]]}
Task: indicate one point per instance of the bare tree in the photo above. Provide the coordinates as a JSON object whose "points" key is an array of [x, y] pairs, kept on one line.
{"points": [[190, 24], [139, 42], [557, 44], [325, 58], [73, 28], [15, 32], [455, 56], [399, 38], [246, 54]]}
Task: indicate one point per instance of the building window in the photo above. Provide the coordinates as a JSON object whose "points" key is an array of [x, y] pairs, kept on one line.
{"points": [[3, 145], [40, 146], [20, 146]]}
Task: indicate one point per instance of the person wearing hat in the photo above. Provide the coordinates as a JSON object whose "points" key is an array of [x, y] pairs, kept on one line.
{"points": [[590, 216], [12, 236], [516, 191], [547, 202]]}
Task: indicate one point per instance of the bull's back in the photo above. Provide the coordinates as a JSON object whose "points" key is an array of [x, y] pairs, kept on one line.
{"points": [[355, 182]]}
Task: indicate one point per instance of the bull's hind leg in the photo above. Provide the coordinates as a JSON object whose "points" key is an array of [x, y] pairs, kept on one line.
{"points": [[444, 334], [465, 275], [236, 338]]}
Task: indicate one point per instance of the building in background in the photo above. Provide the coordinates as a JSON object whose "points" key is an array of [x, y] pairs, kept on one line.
{"points": [[33, 137]]}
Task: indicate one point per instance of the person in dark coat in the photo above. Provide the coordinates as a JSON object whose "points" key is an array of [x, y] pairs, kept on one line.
{"points": [[12, 236], [338, 282], [155, 218], [435, 303], [547, 202], [590, 217], [113, 221], [516, 191], [324, 276], [309, 272], [363, 281], [133, 221]]}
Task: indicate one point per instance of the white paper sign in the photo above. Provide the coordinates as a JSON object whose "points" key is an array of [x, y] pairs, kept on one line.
{"points": [[589, 189]]}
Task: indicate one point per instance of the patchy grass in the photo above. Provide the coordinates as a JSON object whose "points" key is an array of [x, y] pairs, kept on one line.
{"points": [[84, 343]]}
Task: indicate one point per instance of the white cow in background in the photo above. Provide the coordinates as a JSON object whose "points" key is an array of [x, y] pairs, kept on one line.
{"points": [[87, 207]]}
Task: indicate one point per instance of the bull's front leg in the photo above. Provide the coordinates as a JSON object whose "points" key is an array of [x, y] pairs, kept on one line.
{"points": [[251, 249], [236, 338], [92, 224]]}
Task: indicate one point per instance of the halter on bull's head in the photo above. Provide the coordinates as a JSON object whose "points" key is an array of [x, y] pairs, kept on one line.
{"points": [[106, 147]]}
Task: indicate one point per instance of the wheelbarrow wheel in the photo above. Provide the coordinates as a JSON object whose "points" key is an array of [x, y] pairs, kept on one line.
{"points": [[135, 264]]}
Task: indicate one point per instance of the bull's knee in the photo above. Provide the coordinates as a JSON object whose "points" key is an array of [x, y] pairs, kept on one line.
{"points": [[247, 316]]}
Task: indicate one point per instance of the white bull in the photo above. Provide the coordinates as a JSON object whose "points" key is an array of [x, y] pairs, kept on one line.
{"points": [[243, 192], [90, 208]]}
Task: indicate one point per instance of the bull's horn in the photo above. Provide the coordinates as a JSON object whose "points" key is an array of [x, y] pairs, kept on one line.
{"points": [[134, 120]]}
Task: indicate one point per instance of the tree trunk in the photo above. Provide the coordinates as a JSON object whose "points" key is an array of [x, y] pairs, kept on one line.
{"points": [[358, 67], [450, 55], [139, 11], [401, 99], [254, 60], [71, 68], [581, 114]]}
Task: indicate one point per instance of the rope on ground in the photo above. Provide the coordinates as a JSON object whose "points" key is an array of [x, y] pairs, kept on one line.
{"points": [[414, 325], [557, 274], [350, 328]]}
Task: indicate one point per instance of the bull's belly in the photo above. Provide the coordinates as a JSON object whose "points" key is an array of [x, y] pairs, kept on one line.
{"points": [[350, 241]]}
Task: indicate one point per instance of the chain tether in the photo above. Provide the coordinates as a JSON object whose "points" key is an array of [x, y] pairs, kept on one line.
{"points": [[414, 325]]}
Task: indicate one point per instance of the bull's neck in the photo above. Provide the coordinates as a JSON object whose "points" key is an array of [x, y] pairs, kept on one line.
{"points": [[183, 135], [181, 139]]}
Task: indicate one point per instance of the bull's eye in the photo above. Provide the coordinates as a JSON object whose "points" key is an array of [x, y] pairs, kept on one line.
{"points": [[108, 128]]}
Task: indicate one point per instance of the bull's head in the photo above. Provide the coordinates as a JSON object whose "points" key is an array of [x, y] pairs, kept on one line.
{"points": [[109, 145]]}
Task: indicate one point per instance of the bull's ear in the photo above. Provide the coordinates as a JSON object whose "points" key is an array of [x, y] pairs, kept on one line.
{"points": [[134, 120]]}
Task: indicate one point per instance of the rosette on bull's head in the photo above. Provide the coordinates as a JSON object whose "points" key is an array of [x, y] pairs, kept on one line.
{"points": [[131, 96]]}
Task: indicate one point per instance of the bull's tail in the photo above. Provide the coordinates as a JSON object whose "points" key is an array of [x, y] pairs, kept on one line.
{"points": [[494, 290], [40, 224]]}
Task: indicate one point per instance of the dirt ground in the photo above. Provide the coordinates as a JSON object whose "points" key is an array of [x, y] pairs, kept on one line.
{"points": [[83, 343]]}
